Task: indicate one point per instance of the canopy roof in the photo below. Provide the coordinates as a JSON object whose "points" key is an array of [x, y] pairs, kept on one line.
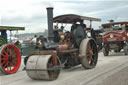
{"points": [[11, 28], [112, 23], [70, 18]]}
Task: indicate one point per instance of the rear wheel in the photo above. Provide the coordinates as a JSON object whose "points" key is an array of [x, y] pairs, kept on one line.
{"points": [[2, 41], [25, 60], [105, 51], [89, 53], [126, 50], [10, 59]]}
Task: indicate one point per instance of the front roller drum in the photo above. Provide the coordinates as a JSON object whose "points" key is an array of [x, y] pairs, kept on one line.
{"points": [[10, 59], [38, 67]]}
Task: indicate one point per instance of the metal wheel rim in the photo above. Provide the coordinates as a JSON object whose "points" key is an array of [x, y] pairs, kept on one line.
{"points": [[90, 53], [53, 74], [10, 59]]}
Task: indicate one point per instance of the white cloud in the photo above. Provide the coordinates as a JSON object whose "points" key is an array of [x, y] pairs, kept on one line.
{"points": [[32, 13], [100, 12]]}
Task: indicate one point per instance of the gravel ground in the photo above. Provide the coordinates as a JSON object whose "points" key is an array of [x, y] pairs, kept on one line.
{"points": [[110, 70], [118, 78]]}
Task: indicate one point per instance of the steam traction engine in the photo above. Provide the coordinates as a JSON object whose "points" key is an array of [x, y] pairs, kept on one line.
{"points": [[10, 57], [115, 37], [62, 49]]}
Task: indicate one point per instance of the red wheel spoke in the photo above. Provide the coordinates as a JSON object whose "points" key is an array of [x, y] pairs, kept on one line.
{"points": [[2, 63], [7, 50], [14, 62], [5, 65], [92, 59], [89, 60], [10, 66], [14, 58], [10, 58], [7, 68], [5, 53], [90, 49], [89, 53], [12, 52], [89, 46], [13, 55], [4, 59]]}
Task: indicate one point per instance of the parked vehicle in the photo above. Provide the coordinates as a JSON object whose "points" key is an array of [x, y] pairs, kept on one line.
{"points": [[10, 56], [115, 37]]}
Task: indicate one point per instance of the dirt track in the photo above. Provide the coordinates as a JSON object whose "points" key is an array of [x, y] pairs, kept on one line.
{"points": [[103, 74], [118, 78]]}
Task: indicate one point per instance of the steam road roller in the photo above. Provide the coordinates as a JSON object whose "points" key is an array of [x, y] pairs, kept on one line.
{"points": [[10, 56], [70, 42]]}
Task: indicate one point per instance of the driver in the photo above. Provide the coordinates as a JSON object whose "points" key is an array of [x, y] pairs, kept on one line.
{"points": [[83, 25], [73, 25]]}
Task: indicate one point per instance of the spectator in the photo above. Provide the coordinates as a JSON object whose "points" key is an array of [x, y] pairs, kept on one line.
{"points": [[33, 41]]}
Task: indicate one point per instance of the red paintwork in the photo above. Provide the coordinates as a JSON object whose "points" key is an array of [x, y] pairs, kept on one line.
{"points": [[113, 23], [63, 47], [115, 36], [10, 67]]}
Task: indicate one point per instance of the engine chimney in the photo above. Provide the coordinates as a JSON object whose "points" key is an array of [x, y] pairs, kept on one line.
{"points": [[50, 21]]}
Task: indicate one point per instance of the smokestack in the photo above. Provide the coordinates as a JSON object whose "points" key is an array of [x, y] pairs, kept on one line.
{"points": [[50, 21], [111, 20]]}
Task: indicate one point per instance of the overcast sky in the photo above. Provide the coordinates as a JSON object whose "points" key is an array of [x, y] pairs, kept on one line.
{"points": [[33, 16]]}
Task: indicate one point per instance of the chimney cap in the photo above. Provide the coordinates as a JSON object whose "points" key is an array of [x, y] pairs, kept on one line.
{"points": [[49, 8]]}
